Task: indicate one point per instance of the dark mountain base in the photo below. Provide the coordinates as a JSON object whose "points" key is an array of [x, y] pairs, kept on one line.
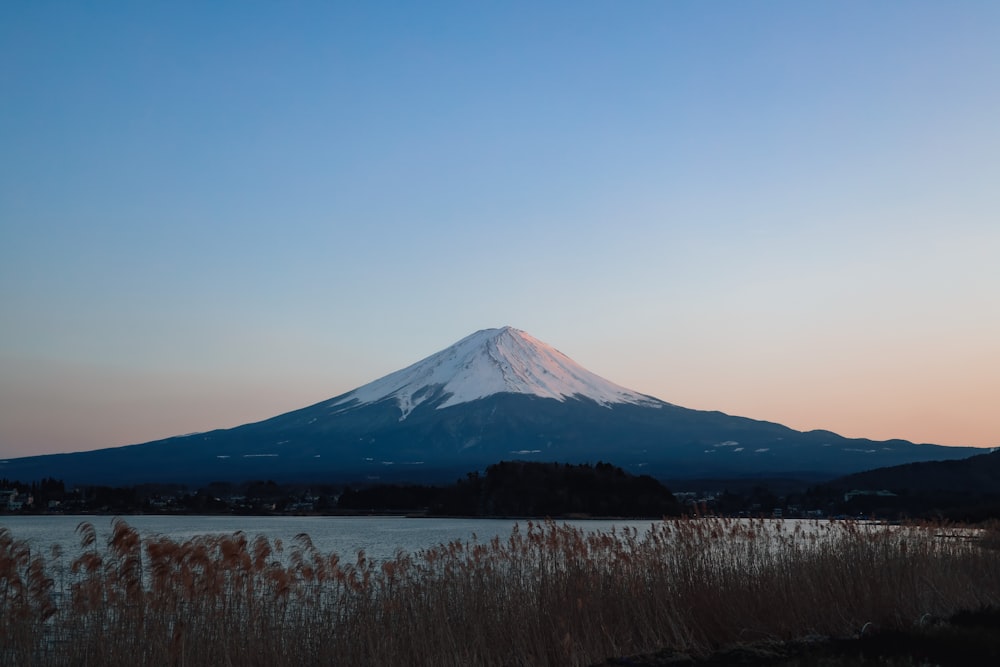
{"points": [[327, 443]]}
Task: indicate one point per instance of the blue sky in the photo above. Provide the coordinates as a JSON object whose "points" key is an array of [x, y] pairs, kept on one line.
{"points": [[211, 213]]}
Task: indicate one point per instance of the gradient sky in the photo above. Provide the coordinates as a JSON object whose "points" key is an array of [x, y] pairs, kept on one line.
{"points": [[213, 213]]}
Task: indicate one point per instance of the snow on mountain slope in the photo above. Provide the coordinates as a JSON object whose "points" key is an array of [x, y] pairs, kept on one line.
{"points": [[488, 362]]}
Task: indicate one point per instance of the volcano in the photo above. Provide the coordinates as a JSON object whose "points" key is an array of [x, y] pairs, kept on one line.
{"points": [[497, 394], [490, 362]]}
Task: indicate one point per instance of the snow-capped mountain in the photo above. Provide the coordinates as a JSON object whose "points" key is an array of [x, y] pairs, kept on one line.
{"points": [[498, 394], [488, 362]]}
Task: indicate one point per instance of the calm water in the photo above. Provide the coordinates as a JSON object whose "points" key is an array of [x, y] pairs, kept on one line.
{"points": [[380, 537]]}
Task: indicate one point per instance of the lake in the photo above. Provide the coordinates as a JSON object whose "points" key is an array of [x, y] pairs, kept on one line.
{"points": [[379, 536]]}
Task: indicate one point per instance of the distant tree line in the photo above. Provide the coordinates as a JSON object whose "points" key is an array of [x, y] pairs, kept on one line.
{"points": [[508, 488], [520, 488], [517, 488], [40, 492]]}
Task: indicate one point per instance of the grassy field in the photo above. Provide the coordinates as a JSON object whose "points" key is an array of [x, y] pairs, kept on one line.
{"points": [[547, 595]]}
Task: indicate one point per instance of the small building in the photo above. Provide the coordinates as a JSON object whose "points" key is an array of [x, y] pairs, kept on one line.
{"points": [[12, 501], [7, 496]]}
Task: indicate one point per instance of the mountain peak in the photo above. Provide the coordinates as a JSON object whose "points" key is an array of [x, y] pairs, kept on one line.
{"points": [[487, 362]]}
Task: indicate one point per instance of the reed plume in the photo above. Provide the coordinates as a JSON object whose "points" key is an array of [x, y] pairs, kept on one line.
{"points": [[547, 594]]}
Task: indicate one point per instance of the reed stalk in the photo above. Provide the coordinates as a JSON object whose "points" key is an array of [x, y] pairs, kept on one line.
{"points": [[548, 594]]}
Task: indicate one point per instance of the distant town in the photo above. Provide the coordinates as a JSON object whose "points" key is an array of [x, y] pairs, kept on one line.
{"points": [[504, 489]]}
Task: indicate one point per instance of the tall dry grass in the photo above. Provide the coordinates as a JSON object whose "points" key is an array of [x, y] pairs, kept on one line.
{"points": [[547, 595]]}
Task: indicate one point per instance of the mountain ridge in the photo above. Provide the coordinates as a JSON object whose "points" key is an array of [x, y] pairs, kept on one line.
{"points": [[494, 395], [976, 474]]}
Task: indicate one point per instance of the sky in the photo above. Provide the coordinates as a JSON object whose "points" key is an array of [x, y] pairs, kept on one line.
{"points": [[214, 213]]}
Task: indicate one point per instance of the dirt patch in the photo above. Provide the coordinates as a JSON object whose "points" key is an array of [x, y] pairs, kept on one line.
{"points": [[967, 639]]}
